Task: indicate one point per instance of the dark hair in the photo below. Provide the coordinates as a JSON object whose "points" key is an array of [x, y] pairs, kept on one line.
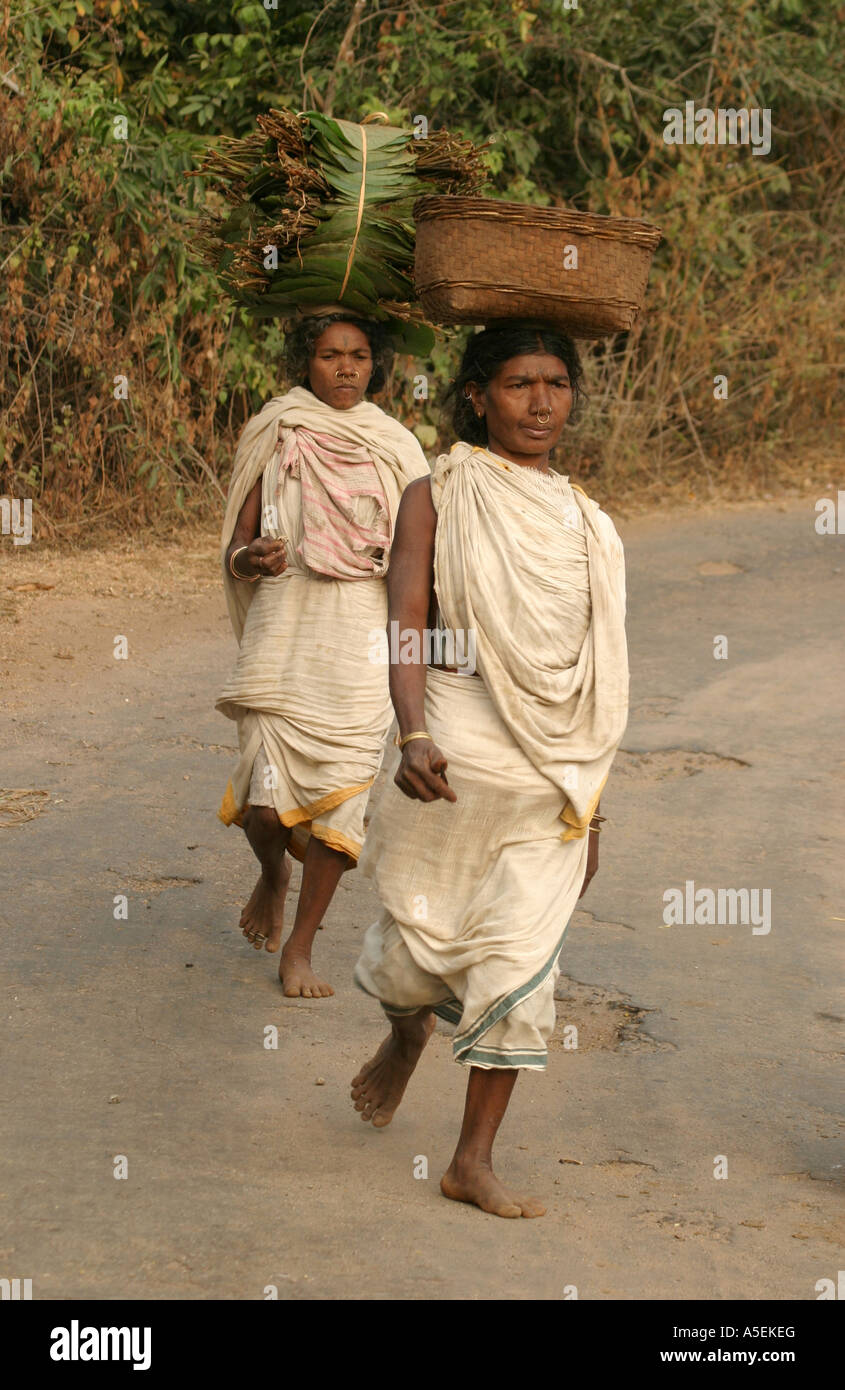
{"points": [[486, 352], [301, 341]]}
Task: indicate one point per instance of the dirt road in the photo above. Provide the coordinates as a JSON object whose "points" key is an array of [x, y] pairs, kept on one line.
{"points": [[703, 1049]]}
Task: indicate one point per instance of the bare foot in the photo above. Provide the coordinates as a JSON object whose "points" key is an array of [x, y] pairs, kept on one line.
{"points": [[298, 979], [263, 918], [478, 1184], [380, 1084]]}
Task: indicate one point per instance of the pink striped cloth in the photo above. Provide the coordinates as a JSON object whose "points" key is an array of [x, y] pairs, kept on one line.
{"points": [[334, 474]]}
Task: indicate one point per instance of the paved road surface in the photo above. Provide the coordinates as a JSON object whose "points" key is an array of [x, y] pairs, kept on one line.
{"points": [[247, 1167]]}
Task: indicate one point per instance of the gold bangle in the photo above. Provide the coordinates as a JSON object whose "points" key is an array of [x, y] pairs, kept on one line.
{"points": [[596, 829], [400, 742], [247, 578]]}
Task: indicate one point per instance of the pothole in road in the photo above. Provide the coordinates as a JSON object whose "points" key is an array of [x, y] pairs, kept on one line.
{"points": [[604, 1021], [665, 763], [688, 1225], [717, 567], [655, 707]]}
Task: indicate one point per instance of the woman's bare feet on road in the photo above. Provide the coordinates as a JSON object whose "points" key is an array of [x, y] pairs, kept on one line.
{"points": [[263, 918], [478, 1184], [298, 979], [380, 1084]]}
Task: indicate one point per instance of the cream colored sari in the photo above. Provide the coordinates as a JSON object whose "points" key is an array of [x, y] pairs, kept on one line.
{"points": [[310, 702], [477, 894]]}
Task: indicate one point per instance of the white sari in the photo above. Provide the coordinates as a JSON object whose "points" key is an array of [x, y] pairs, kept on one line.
{"points": [[310, 702], [477, 894]]}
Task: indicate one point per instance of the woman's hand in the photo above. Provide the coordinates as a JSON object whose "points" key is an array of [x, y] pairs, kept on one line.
{"points": [[263, 558], [422, 772], [592, 860]]}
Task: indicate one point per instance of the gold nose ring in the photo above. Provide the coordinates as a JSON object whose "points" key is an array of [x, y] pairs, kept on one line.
{"points": [[340, 374], [543, 418]]}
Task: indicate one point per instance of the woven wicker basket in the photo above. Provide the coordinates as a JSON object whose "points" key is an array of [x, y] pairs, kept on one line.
{"points": [[479, 260]]}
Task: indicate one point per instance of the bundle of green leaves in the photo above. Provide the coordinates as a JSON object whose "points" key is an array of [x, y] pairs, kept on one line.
{"points": [[320, 211]]}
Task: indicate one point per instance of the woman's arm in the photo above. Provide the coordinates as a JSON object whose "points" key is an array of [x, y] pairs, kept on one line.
{"points": [[410, 580], [262, 556]]}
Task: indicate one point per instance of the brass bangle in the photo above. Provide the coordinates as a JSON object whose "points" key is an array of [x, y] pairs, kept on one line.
{"points": [[247, 578], [421, 733]]}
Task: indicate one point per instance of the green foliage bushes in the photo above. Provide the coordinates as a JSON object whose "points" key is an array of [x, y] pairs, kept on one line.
{"points": [[126, 375]]}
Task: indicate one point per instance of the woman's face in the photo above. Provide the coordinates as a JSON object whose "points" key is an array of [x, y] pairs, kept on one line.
{"points": [[526, 405], [339, 371]]}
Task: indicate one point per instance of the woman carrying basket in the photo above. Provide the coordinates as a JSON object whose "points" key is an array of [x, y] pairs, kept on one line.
{"points": [[478, 873]]}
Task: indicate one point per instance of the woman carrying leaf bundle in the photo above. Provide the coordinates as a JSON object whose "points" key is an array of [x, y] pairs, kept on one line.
{"points": [[315, 490]]}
